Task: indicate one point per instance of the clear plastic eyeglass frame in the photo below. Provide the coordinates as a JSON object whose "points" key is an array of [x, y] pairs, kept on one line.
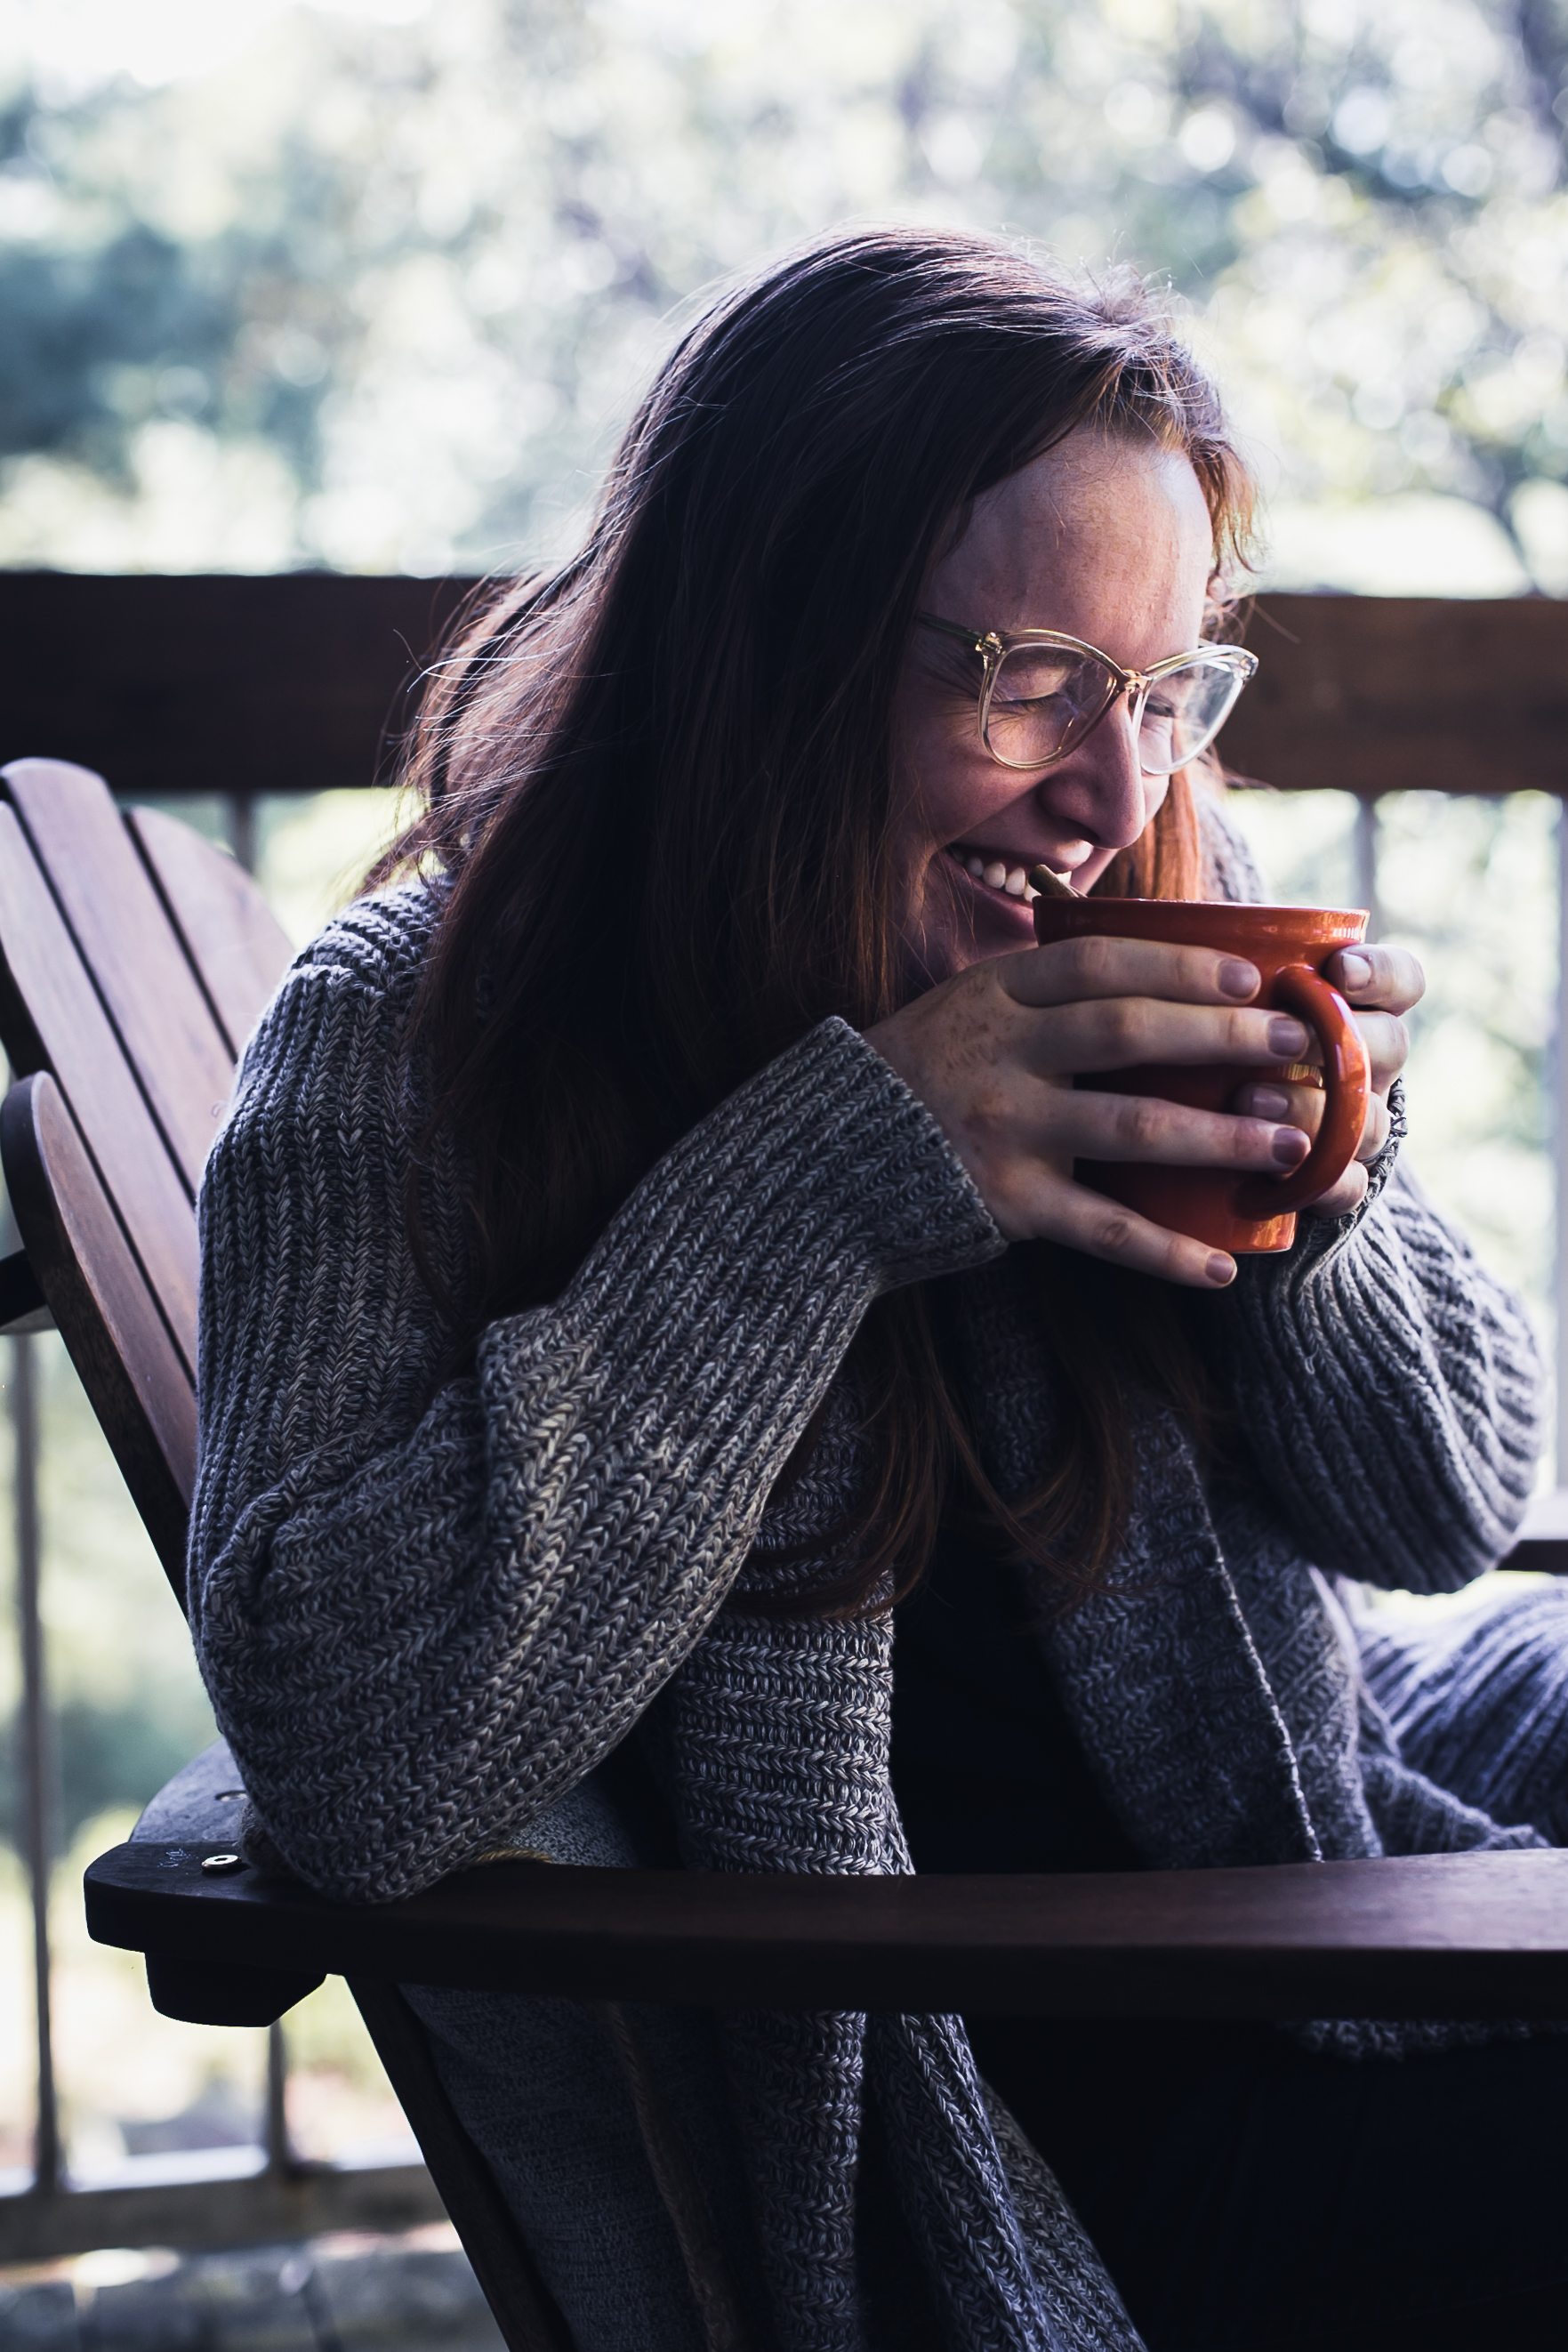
{"points": [[993, 646]]}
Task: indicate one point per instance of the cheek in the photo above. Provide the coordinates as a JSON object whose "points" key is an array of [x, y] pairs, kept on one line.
{"points": [[963, 798], [945, 784], [1155, 790]]}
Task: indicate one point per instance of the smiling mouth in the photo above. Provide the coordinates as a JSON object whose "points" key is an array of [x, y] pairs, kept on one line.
{"points": [[1004, 877]]}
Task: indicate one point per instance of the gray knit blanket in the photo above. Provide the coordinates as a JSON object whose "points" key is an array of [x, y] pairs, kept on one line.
{"points": [[427, 1622]]}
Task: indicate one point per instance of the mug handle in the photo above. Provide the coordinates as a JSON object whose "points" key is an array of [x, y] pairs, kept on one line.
{"points": [[1347, 1083]]}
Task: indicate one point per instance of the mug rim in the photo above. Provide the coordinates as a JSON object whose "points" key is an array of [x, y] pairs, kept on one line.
{"points": [[1102, 914]]}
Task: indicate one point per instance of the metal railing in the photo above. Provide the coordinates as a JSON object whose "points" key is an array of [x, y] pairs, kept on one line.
{"points": [[1553, 1512], [252, 2196]]}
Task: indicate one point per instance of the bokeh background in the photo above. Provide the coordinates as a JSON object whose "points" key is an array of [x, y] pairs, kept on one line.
{"points": [[371, 284]]}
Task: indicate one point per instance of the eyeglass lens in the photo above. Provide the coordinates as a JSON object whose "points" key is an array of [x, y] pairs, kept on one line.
{"points": [[1045, 698]]}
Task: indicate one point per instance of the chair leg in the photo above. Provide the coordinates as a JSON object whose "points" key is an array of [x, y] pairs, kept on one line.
{"points": [[525, 2311]]}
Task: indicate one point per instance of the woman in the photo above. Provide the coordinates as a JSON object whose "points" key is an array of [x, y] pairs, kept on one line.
{"points": [[654, 1348]]}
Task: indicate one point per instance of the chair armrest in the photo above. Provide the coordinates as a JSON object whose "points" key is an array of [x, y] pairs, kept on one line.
{"points": [[1481, 1934]]}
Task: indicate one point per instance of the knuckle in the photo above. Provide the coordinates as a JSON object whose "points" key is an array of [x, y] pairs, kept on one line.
{"points": [[1171, 1258], [1122, 1025], [1141, 1121], [1090, 961], [1008, 1203], [1113, 1233]]}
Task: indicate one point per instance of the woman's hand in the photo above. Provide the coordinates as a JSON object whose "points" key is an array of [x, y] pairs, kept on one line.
{"points": [[1382, 985], [993, 1054]]}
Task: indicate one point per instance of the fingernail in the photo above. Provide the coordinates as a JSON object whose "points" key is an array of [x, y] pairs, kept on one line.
{"points": [[1290, 1146], [1221, 1269], [1238, 979], [1354, 970], [1268, 1102], [1286, 1037]]}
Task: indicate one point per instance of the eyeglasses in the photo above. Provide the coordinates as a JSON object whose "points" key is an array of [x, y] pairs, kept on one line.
{"points": [[1041, 693]]}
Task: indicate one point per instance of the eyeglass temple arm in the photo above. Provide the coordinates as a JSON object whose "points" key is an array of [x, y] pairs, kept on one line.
{"points": [[973, 638]]}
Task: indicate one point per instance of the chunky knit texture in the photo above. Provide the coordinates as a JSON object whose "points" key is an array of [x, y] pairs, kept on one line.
{"points": [[1473, 1692], [425, 1622], [424, 1625]]}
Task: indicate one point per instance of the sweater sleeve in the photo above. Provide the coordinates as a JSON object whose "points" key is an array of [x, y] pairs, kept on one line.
{"points": [[1389, 1392], [421, 1622]]}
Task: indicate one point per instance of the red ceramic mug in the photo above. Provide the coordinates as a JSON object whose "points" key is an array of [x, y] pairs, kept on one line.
{"points": [[1289, 946]]}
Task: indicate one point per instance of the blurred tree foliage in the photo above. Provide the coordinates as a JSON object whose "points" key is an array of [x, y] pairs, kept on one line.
{"points": [[374, 291]]}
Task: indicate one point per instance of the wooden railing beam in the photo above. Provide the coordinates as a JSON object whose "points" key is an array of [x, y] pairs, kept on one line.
{"points": [[290, 682]]}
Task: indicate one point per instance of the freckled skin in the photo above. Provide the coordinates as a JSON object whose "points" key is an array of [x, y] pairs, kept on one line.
{"points": [[1110, 540]]}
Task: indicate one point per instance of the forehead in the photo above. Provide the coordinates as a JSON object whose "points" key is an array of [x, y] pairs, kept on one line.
{"points": [[1100, 532]]}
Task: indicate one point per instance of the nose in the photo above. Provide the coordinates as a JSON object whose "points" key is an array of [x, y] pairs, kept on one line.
{"points": [[1101, 787]]}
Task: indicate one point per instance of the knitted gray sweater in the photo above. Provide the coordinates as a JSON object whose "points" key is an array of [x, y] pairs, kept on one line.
{"points": [[424, 1622]]}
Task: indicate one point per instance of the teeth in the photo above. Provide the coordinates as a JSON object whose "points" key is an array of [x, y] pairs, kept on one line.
{"points": [[996, 876]]}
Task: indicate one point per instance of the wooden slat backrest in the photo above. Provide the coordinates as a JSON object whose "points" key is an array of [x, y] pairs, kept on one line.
{"points": [[52, 1018], [235, 944], [182, 1062], [138, 1383], [117, 952], [127, 949]]}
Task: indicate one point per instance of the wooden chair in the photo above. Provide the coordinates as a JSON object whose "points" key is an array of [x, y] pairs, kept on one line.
{"points": [[133, 960]]}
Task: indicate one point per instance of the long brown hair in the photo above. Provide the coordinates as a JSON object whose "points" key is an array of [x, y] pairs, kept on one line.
{"points": [[657, 784]]}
